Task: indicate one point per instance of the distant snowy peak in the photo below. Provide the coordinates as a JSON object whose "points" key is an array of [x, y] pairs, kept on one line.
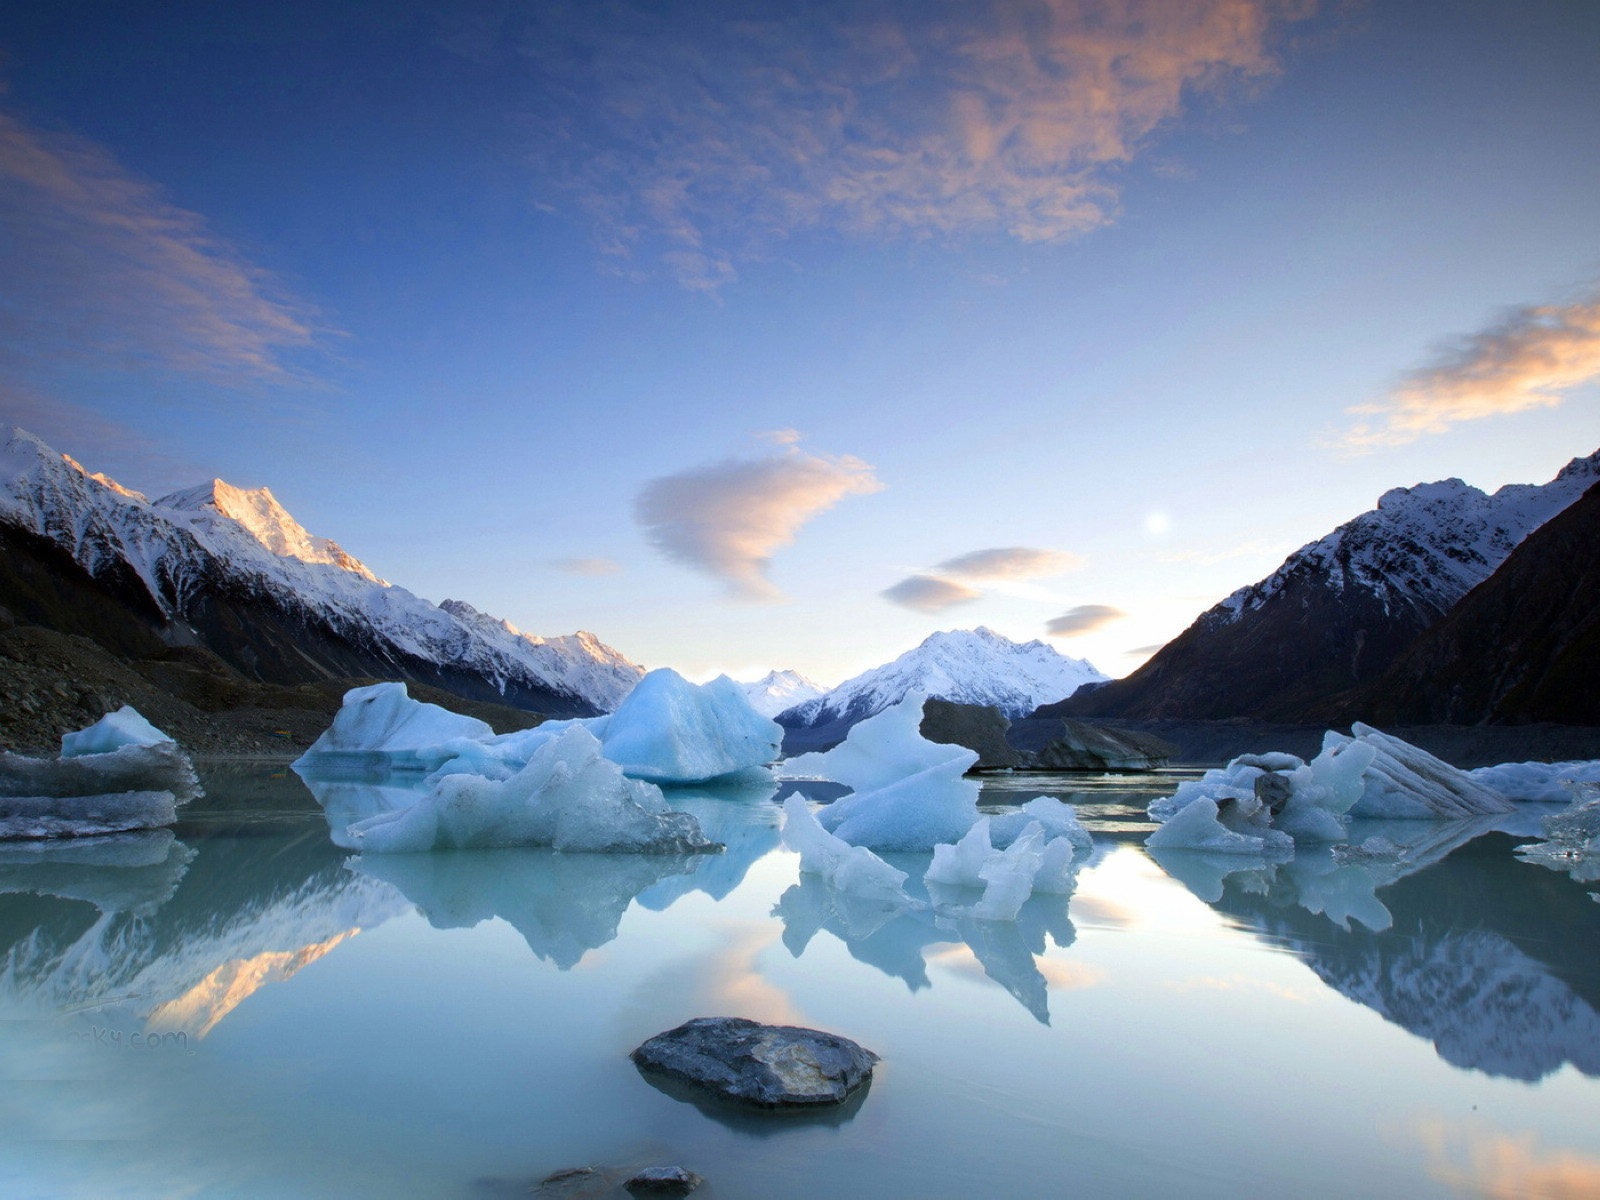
{"points": [[968, 666], [779, 690], [1423, 547], [580, 662], [258, 513]]}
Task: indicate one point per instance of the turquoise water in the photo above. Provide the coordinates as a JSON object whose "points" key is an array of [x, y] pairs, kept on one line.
{"points": [[238, 1008]]}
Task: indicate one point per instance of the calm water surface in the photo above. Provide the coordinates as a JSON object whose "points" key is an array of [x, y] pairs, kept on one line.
{"points": [[238, 1008]]}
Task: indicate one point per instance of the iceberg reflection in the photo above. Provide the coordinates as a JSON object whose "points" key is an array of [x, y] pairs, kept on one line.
{"points": [[1489, 958]]}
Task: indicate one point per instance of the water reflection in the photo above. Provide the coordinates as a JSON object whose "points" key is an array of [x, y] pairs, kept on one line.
{"points": [[1490, 959], [170, 934], [896, 941]]}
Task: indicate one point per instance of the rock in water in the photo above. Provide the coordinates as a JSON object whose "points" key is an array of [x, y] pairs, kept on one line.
{"points": [[1083, 746], [771, 1067], [663, 1181], [978, 727]]}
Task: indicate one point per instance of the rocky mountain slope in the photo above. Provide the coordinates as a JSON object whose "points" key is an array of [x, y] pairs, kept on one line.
{"points": [[1339, 611], [229, 571], [1524, 645]]}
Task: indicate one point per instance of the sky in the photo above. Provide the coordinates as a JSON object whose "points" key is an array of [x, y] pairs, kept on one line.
{"points": [[781, 335]]}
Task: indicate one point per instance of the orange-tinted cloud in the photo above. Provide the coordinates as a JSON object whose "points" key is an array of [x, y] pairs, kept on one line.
{"points": [[929, 593], [713, 137], [727, 520], [101, 268], [1530, 358]]}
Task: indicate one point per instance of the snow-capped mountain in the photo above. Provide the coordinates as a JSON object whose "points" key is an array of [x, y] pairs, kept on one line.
{"points": [[968, 666], [779, 690], [1341, 609], [231, 570]]}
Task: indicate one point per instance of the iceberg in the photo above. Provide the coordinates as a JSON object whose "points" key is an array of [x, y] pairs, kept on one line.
{"points": [[907, 793], [119, 774], [1269, 803], [568, 796], [1008, 872], [1572, 838], [847, 868], [669, 730], [1537, 782]]}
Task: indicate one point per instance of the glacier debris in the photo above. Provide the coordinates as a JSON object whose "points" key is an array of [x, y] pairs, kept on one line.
{"points": [[119, 774], [1572, 838]]}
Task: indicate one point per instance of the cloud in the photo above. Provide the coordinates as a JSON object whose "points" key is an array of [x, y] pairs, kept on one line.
{"points": [[930, 594], [726, 520], [102, 269], [1474, 1160], [588, 566], [1144, 651], [1530, 358], [704, 134], [1010, 562], [1084, 619]]}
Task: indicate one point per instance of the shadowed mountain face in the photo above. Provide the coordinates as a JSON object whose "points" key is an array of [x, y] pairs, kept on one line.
{"points": [[1489, 958], [1301, 644], [1524, 645]]}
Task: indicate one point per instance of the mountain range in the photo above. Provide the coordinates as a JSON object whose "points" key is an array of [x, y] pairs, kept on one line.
{"points": [[228, 571], [1314, 640]]}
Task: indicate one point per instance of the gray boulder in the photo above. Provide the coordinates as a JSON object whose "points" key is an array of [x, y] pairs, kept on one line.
{"points": [[1085, 747], [978, 727], [769, 1067]]}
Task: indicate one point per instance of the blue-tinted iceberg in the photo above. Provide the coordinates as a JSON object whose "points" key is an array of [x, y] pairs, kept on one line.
{"points": [[1537, 782], [119, 774], [854, 870], [1268, 803], [907, 793], [668, 730], [1572, 838], [568, 796], [1008, 869]]}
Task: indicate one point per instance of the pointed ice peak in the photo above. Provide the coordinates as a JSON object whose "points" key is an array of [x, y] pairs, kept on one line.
{"points": [[779, 690], [1581, 468], [257, 511]]}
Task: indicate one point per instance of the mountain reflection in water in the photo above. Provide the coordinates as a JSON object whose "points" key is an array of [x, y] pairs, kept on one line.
{"points": [[1459, 942]]}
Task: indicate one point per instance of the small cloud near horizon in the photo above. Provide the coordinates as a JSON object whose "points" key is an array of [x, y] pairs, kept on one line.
{"points": [[929, 593], [1010, 562], [1085, 618], [588, 566], [1530, 358], [726, 520], [1144, 651]]}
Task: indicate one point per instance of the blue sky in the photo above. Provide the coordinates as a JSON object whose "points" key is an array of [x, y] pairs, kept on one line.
{"points": [[780, 335]]}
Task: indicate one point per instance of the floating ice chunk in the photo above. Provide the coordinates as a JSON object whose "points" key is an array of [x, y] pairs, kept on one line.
{"points": [[884, 749], [1029, 862], [1540, 783], [1058, 819], [848, 868], [1008, 877], [1408, 783], [384, 720], [1199, 825], [960, 863], [669, 730], [125, 727], [1572, 838], [568, 796], [119, 774], [916, 813]]}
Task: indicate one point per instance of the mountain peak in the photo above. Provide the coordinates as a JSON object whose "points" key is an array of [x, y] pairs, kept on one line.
{"points": [[258, 513]]}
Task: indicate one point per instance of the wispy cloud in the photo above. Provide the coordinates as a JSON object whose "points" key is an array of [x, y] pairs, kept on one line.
{"points": [[102, 269], [588, 566], [1085, 618], [726, 520], [704, 133], [1530, 358], [1475, 1160], [930, 594], [1144, 651], [1010, 562]]}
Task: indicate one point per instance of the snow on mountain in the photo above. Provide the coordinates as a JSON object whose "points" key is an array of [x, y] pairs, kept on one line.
{"points": [[779, 690], [1423, 547], [968, 666], [185, 545]]}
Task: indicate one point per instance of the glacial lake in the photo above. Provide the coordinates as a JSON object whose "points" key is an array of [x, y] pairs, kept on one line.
{"points": [[238, 1008]]}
